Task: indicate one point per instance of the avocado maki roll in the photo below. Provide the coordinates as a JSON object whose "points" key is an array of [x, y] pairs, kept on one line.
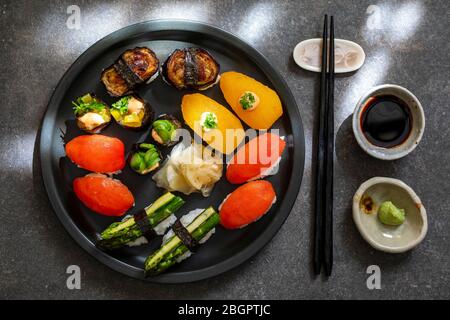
{"points": [[132, 112], [164, 130], [92, 114], [145, 158]]}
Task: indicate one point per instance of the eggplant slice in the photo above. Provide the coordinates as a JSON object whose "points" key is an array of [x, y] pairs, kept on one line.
{"points": [[141, 62], [114, 83], [134, 67], [191, 68]]}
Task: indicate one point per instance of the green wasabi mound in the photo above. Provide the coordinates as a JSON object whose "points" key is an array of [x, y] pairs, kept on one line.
{"points": [[389, 214]]}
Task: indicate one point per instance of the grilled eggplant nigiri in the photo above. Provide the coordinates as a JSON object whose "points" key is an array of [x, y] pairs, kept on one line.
{"points": [[114, 83], [134, 67], [132, 112], [137, 65], [92, 114], [191, 68]]}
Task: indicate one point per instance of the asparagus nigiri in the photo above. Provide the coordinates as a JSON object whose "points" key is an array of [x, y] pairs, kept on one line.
{"points": [[127, 231], [173, 249]]}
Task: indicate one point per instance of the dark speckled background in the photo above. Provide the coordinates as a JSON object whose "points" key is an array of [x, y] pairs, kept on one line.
{"points": [[406, 43]]}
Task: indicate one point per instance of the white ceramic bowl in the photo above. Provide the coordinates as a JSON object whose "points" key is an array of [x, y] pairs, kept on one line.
{"points": [[394, 239], [418, 123]]}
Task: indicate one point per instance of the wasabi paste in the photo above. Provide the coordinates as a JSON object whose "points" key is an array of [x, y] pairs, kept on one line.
{"points": [[389, 214]]}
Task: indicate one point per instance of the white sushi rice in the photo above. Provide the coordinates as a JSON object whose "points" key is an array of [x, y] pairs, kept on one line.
{"points": [[159, 229], [272, 170], [185, 221]]}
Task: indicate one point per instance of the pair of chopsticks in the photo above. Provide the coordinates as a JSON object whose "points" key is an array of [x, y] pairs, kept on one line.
{"points": [[323, 237]]}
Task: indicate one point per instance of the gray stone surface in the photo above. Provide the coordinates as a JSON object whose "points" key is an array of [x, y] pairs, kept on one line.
{"points": [[408, 45]]}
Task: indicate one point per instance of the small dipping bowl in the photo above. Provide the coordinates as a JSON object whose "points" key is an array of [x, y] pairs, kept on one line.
{"points": [[394, 239], [417, 118]]}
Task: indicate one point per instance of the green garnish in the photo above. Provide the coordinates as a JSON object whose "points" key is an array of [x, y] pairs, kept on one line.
{"points": [[247, 100], [87, 104], [121, 105], [164, 129], [210, 121]]}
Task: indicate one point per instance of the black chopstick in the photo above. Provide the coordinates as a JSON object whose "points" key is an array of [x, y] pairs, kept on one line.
{"points": [[329, 161], [320, 161]]}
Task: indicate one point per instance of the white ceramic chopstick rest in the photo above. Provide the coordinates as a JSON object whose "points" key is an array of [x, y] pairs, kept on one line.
{"points": [[348, 57]]}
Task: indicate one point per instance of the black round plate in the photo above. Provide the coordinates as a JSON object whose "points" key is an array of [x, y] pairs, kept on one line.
{"points": [[227, 248]]}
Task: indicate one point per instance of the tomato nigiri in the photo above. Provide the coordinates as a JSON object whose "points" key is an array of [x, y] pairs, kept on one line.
{"points": [[103, 195], [97, 153], [256, 158], [247, 204]]}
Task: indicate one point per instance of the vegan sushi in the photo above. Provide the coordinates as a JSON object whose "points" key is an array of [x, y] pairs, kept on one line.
{"points": [[132, 112], [164, 130], [145, 158], [97, 153], [92, 114], [256, 104], [137, 229], [256, 159], [178, 244], [191, 68], [103, 195], [214, 123], [134, 67], [247, 204]]}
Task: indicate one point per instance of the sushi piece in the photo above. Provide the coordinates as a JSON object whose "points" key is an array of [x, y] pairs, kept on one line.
{"points": [[191, 68], [256, 159], [92, 114], [134, 67], [145, 158], [159, 215], [97, 153], [132, 112], [138, 65], [214, 123], [196, 228], [164, 130], [247, 204], [103, 195], [254, 103], [114, 83]]}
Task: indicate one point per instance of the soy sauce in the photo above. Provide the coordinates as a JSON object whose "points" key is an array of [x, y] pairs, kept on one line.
{"points": [[386, 121]]}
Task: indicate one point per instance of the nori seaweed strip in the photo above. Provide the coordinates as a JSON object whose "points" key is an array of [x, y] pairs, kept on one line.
{"points": [[184, 235], [126, 73], [190, 67], [144, 225]]}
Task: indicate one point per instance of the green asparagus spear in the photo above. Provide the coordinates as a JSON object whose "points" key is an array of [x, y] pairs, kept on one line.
{"points": [[167, 255], [119, 234]]}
